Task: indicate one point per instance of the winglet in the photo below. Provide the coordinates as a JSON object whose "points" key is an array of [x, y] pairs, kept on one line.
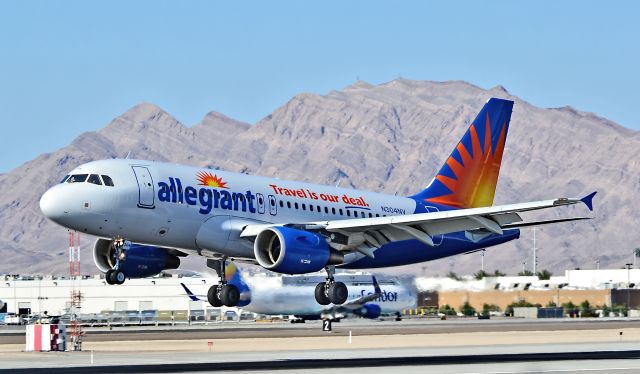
{"points": [[376, 286], [588, 200], [189, 293]]}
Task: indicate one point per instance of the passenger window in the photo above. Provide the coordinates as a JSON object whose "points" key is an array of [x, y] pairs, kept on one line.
{"points": [[341, 212], [65, 178], [333, 210], [281, 204], [319, 210], [77, 178], [107, 180], [326, 210], [370, 215], [296, 205], [304, 207], [95, 179], [377, 215], [348, 213], [289, 204]]}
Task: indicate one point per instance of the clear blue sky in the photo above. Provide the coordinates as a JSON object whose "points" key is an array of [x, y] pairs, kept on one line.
{"points": [[71, 66]]}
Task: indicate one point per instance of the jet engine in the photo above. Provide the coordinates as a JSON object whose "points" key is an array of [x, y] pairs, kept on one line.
{"points": [[292, 251], [370, 311], [136, 260]]}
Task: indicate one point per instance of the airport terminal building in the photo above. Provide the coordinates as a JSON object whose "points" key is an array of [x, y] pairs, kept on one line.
{"points": [[162, 298]]}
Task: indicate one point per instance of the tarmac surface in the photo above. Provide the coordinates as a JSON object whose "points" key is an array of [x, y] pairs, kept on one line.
{"points": [[415, 345]]}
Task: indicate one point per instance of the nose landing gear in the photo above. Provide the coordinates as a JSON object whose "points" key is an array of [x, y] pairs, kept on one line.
{"points": [[222, 293], [331, 291]]}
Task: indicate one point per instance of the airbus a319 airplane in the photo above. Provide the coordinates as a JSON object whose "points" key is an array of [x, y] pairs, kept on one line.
{"points": [[294, 296], [148, 214]]}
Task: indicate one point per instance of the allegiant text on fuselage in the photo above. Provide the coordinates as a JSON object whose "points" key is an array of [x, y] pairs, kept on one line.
{"points": [[206, 197]]}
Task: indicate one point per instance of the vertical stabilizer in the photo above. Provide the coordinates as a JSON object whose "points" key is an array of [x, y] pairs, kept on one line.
{"points": [[469, 177]]}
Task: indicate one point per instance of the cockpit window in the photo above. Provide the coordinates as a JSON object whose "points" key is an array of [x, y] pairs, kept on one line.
{"points": [[76, 178], [65, 178], [95, 179], [107, 180]]}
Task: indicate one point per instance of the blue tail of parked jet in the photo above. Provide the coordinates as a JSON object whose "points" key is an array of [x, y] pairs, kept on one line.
{"points": [[469, 177], [234, 276]]}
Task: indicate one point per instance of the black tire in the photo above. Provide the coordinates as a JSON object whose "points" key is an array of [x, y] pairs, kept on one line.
{"points": [[213, 298], [118, 277], [230, 295], [321, 298], [338, 293], [107, 276]]}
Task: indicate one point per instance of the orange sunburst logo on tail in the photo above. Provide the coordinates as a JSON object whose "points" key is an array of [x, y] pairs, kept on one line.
{"points": [[477, 175], [211, 180]]}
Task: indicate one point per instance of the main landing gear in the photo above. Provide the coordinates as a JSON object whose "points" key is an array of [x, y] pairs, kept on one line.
{"points": [[222, 293], [116, 276], [331, 291]]}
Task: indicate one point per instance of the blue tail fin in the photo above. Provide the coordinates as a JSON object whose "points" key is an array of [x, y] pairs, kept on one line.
{"points": [[469, 176], [234, 276]]}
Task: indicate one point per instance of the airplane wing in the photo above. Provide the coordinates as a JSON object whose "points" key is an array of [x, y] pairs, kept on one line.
{"points": [[377, 292], [353, 306], [190, 294], [372, 233]]}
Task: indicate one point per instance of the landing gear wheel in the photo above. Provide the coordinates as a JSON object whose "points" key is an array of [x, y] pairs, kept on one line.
{"points": [[338, 293], [321, 296], [117, 277], [107, 276], [230, 295], [213, 298]]}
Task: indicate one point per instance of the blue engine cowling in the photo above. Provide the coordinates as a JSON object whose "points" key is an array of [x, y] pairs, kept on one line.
{"points": [[370, 311], [140, 261], [292, 251]]}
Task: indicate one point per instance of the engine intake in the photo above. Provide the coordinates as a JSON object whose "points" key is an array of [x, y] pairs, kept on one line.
{"points": [[293, 251], [140, 261]]}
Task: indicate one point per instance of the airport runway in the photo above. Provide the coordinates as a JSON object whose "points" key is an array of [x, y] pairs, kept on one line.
{"points": [[313, 328], [463, 346]]}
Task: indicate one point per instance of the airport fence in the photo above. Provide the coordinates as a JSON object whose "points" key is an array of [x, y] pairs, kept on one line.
{"points": [[145, 317]]}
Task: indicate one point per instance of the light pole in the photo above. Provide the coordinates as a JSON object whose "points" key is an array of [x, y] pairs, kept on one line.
{"points": [[482, 260], [628, 283], [597, 264], [535, 256]]}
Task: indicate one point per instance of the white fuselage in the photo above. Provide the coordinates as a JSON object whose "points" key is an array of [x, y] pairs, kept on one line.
{"points": [[274, 296], [167, 205]]}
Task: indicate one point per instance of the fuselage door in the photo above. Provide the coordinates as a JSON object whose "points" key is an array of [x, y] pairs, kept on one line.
{"points": [[145, 187], [273, 209], [260, 199]]}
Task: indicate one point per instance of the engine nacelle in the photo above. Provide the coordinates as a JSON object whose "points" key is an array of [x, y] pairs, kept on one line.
{"points": [[370, 311], [292, 251], [140, 261]]}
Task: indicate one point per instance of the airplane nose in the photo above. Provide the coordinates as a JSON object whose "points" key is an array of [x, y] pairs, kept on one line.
{"points": [[51, 204]]}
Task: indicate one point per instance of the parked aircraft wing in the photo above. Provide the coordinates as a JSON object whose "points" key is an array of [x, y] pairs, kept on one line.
{"points": [[377, 292]]}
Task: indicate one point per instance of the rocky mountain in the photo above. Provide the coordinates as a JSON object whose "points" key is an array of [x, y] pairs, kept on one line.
{"points": [[390, 138]]}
